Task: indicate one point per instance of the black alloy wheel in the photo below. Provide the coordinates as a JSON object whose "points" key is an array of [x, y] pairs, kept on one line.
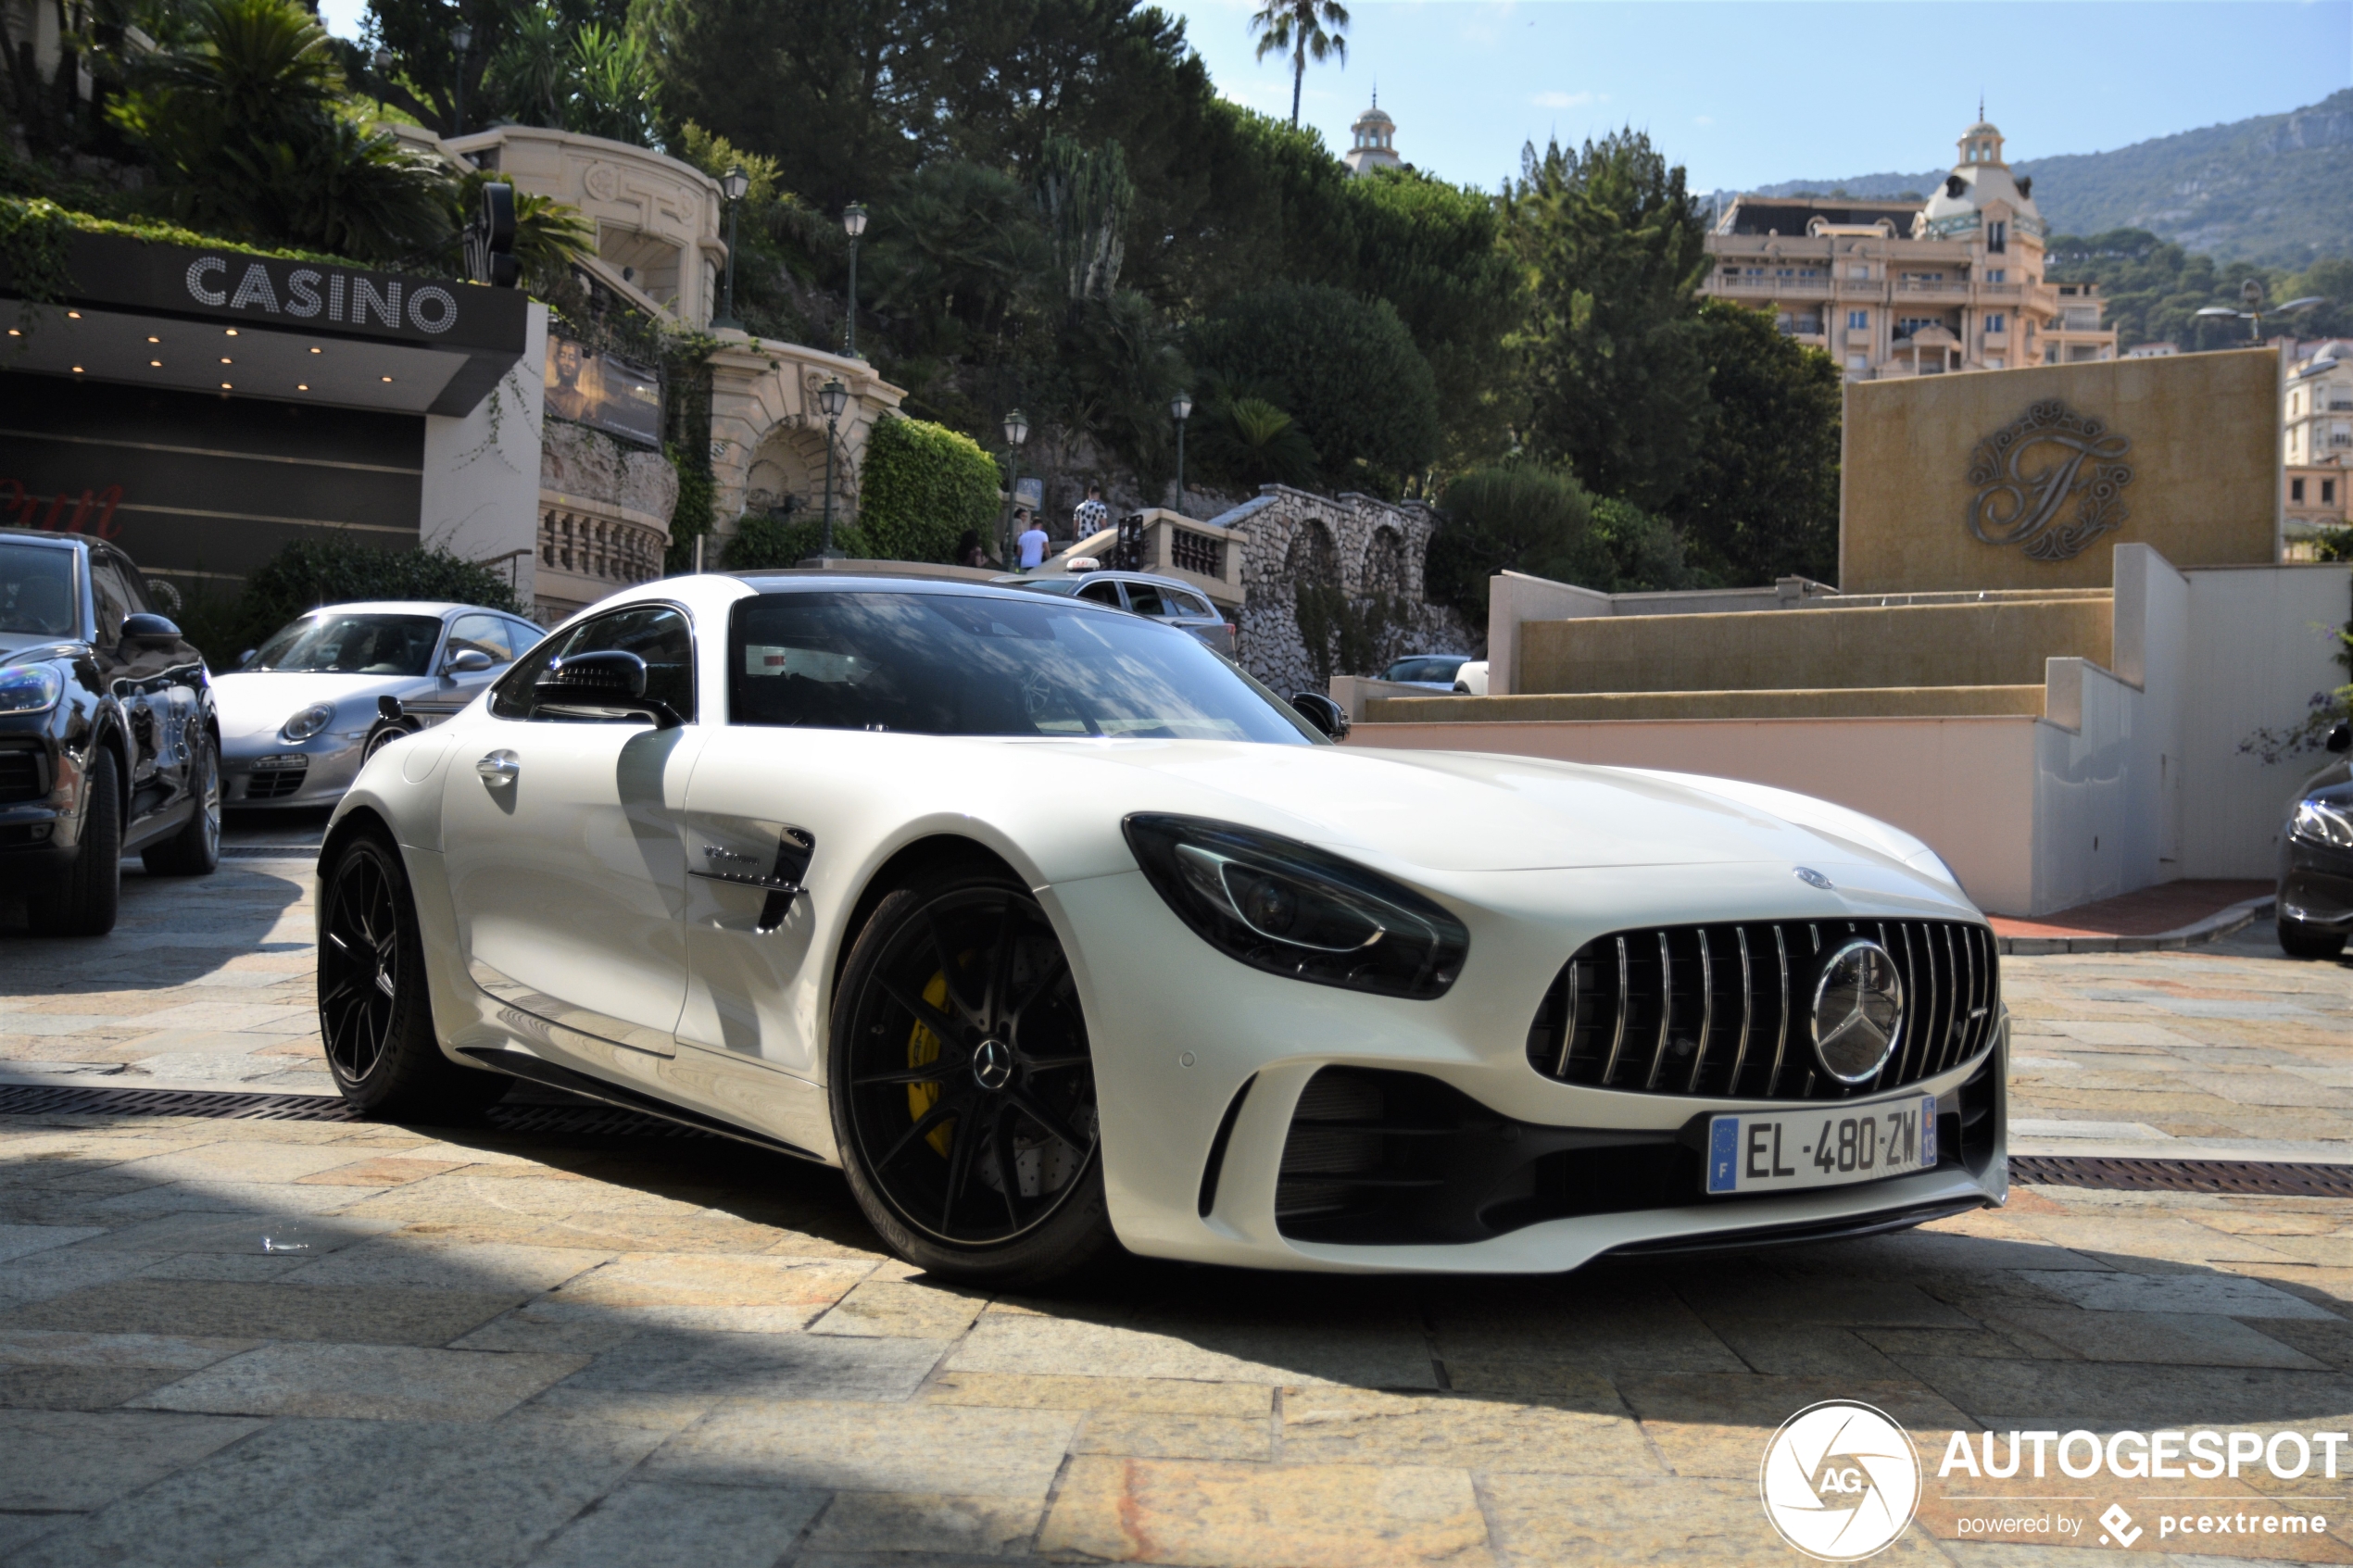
{"points": [[964, 1089], [375, 1014], [85, 896], [194, 850], [2298, 940]]}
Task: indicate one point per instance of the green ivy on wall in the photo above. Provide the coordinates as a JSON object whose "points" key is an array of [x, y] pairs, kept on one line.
{"points": [[921, 488]]}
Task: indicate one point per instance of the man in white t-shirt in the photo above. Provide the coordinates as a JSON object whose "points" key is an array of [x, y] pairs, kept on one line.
{"points": [[1031, 544]]}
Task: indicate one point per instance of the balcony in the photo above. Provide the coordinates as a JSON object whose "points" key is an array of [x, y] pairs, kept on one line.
{"points": [[1768, 287], [1916, 288]]}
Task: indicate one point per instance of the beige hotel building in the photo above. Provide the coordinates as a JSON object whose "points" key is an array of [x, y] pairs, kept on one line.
{"points": [[1905, 288]]}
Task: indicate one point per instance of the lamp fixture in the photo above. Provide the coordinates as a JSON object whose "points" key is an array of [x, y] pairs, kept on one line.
{"points": [[1016, 427], [833, 397], [1180, 407], [156, 364], [302, 386], [232, 331], [735, 182], [461, 38], [73, 315], [387, 379], [317, 351], [155, 340], [853, 219]]}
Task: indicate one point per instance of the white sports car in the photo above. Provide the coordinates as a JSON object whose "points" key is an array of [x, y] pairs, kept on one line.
{"points": [[1057, 933]]}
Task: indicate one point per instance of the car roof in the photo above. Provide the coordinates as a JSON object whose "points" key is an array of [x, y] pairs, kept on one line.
{"points": [[405, 607], [41, 536], [1116, 574], [814, 581]]}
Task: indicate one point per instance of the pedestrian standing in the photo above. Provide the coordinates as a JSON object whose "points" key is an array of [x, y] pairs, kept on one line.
{"points": [[1091, 517], [969, 551], [1031, 544]]}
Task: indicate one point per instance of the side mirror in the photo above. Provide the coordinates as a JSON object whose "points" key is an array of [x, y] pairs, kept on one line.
{"points": [[246, 658], [149, 630], [1322, 712], [468, 661], [610, 684], [388, 708], [2341, 738]]}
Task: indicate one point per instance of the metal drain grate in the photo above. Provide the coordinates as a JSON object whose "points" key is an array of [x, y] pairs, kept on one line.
{"points": [[2256, 1177], [582, 1119]]}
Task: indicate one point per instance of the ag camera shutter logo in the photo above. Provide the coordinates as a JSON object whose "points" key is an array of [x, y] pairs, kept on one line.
{"points": [[1839, 1481]]}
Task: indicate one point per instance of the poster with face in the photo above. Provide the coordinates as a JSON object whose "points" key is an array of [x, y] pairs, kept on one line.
{"points": [[602, 391]]}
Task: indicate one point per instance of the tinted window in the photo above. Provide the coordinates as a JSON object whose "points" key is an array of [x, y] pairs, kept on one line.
{"points": [[1187, 604], [110, 596], [36, 591], [1103, 593], [523, 636], [352, 645], [1440, 668], [947, 664], [1145, 599], [656, 633], [484, 633]]}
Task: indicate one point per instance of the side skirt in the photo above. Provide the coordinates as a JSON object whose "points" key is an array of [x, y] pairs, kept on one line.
{"points": [[522, 1065]]}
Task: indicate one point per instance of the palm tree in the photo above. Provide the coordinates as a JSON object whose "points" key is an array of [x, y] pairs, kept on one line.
{"points": [[1301, 27]]}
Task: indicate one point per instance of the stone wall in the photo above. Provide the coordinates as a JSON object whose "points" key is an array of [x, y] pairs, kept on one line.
{"points": [[1371, 550], [604, 517]]}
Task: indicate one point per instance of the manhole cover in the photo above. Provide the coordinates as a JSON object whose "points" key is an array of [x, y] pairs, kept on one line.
{"points": [[2259, 1178]]}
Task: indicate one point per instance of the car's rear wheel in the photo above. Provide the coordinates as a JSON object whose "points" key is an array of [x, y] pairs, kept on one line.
{"points": [[2298, 940], [964, 1091], [375, 1016], [194, 850], [81, 899]]}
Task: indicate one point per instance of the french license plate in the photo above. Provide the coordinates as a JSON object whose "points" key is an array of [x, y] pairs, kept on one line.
{"points": [[1788, 1150]]}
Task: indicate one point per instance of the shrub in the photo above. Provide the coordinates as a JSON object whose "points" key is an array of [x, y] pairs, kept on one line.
{"points": [[303, 576], [923, 485], [1521, 518], [767, 543], [1345, 368]]}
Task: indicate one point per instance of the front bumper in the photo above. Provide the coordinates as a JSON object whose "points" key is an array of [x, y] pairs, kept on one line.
{"points": [[265, 772], [2316, 885], [1203, 1065]]}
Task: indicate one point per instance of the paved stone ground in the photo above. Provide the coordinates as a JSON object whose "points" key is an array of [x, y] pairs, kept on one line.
{"points": [[255, 1342]]}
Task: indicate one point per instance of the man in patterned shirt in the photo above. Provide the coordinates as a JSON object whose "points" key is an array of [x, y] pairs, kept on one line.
{"points": [[1091, 516]]}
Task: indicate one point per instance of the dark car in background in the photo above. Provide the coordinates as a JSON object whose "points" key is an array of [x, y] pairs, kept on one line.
{"points": [[2314, 909], [1435, 670], [108, 740], [1139, 593]]}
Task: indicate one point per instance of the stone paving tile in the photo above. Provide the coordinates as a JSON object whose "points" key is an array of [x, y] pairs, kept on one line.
{"points": [[641, 1522], [1156, 1434], [2195, 1339], [1360, 1426], [775, 1366], [930, 1524], [1134, 1396], [1540, 1521], [350, 1314], [657, 1279], [896, 1307], [416, 1264], [20, 1241], [1715, 1424], [2177, 1293], [209, 1231], [971, 1451], [1395, 1359], [1304, 1516], [57, 1460], [364, 1382]]}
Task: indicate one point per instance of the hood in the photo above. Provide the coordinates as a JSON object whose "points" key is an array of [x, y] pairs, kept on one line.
{"points": [[18, 645], [1469, 811], [258, 703]]}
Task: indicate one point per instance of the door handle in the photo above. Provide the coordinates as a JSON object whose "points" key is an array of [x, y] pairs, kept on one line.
{"points": [[500, 767]]}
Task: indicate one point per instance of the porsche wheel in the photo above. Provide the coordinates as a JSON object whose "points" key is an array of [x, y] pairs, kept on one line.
{"points": [[83, 897], [964, 1093], [375, 1018], [2298, 940]]}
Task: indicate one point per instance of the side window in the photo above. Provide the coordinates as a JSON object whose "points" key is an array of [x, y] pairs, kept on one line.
{"points": [[111, 595], [523, 636], [1189, 603], [1105, 593], [486, 633], [656, 633], [1145, 599]]}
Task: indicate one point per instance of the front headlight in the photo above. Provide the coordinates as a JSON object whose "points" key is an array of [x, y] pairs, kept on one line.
{"points": [[307, 723], [2322, 822], [1293, 910], [30, 688]]}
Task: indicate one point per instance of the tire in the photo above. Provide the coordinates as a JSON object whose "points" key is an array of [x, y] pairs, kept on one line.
{"points": [[194, 850], [962, 1089], [82, 900], [384, 733], [2298, 940], [375, 1014]]}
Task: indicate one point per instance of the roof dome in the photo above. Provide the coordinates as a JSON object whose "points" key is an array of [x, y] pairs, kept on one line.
{"points": [[1979, 177], [1374, 116]]}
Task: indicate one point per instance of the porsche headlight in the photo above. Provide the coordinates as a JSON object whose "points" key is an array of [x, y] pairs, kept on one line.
{"points": [[2322, 822], [307, 723], [30, 688], [1293, 910]]}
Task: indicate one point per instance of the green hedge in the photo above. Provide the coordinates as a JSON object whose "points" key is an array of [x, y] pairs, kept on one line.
{"points": [[923, 485], [303, 576], [765, 544]]}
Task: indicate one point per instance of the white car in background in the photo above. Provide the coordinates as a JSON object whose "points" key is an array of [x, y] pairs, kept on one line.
{"points": [[1058, 932], [305, 709]]}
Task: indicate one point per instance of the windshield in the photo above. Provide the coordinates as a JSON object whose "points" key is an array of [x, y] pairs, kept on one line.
{"points": [[947, 664], [36, 591], [1441, 666], [354, 644]]}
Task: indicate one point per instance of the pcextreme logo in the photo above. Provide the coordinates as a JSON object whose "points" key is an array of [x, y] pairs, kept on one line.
{"points": [[1839, 1481]]}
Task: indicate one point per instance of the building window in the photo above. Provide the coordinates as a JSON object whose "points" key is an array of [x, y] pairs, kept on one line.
{"points": [[1993, 362], [1995, 275], [1859, 269], [1997, 237], [1858, 320], [2296, 492], [2328, 492], [1995, 322], [1858, 362]]}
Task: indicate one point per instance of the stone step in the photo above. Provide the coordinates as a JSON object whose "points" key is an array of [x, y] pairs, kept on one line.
{"points": [[1820, 702]]}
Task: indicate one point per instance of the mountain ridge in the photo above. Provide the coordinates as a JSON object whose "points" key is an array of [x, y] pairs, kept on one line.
{"points": [[2275, 189]]}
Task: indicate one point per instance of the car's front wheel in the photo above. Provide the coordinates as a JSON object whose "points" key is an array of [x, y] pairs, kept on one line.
{"points": [[82, 899], [964, 1091], [2298, 940], [375, 1016]]}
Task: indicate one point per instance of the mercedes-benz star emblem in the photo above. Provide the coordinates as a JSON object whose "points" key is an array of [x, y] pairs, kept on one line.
{"points": [[1859, 1011], [1813, 878], [993, 1064]]}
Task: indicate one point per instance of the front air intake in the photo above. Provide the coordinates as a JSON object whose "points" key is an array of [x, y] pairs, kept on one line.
{"points": [[1725, 1011]]}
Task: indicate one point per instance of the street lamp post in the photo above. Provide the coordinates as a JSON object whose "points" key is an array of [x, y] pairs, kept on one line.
{"points": [[853, 223], [1181, 408], [1016, 432], [461, 38], [2251, 295], [831, 398], [732, 184]]}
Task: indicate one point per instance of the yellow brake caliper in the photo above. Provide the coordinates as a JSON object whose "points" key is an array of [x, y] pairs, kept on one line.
{"points": [[923, 1048]]}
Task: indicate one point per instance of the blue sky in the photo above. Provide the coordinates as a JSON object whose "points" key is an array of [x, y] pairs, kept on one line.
{"points": [[1749, 93]]}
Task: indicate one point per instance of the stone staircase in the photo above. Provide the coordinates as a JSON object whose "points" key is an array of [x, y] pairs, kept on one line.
{"points": [[1911, 656]]}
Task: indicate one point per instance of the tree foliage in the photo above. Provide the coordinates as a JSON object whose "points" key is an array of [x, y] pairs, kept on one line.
{"points": [[2154, 290], [922, 487], [1760, 497], [1313, 29], [1345, 368], [1528, 517], [305, 575], [1617, 381]]}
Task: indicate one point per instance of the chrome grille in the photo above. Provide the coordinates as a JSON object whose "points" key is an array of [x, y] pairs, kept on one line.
{"points": [[1722, 1011]]}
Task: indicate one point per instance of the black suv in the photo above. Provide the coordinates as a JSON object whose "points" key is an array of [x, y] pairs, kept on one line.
{"points": [[108, 738]]}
